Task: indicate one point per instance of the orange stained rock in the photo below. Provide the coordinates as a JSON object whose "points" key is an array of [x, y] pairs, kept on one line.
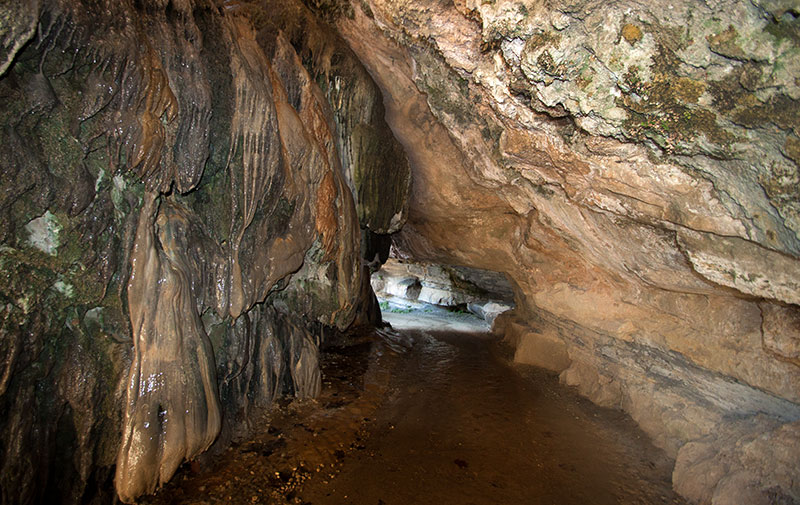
{"points": [[159, 101]]}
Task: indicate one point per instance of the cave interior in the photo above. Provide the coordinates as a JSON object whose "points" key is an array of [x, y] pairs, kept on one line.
{"points": [[199, 197]]}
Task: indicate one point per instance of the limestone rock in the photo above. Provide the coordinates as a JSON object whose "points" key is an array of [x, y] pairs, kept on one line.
{"points": [[543, 349], [747, 461], [18, 22], [184, 187], [630, 168], [781, 331]]}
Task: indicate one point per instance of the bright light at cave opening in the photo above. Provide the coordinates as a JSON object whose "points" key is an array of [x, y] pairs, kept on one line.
{"points": [[415, 294]]}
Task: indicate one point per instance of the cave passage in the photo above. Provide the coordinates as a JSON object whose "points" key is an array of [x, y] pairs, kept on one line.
{"points": [[206, 206], [436, 416], [461, 426], [439, 295]]}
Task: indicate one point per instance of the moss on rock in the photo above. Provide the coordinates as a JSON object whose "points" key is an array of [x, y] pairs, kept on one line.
{"points": [[631, 33]]}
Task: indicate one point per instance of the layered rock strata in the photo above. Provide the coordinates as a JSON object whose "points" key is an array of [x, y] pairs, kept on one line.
{"points": [[632, 167]]}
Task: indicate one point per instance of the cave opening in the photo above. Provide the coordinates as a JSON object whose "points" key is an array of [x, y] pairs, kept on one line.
{"points": [[413, 294]]}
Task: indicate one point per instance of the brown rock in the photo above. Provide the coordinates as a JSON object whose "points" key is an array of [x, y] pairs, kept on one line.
{"points": [[631, 33], [651, 262]]}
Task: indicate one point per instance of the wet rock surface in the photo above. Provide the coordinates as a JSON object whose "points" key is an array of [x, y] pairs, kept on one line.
{"points": [[184, 186], [298, 441]]}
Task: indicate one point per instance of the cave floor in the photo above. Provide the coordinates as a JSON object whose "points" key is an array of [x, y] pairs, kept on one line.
{"points": [[432, 416]]}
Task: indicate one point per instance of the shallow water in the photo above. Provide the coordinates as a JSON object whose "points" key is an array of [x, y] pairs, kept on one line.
{"points": [[446, 420], [461, 426]]}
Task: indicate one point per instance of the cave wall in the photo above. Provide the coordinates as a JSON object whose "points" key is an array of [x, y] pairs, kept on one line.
{"points": [[185, 185], [189, 187], [632, 167]]}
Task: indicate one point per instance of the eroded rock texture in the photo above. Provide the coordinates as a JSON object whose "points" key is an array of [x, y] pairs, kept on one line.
{"points": [[185, 185], [194, 190], [632, 167]]}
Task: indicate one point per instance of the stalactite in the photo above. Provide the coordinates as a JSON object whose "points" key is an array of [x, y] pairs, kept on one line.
{"points": [[271, 355], [301, 347], [306, 378], [172, 411], [187, 143], [158, 102], [254, 137], [178, 100], [336, 221]]}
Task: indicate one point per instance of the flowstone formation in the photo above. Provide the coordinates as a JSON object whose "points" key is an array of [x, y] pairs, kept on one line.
{"points": [[632, 167], [186, 186]]}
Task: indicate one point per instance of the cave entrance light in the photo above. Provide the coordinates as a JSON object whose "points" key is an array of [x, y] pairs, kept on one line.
{"points": [[415, 295]]}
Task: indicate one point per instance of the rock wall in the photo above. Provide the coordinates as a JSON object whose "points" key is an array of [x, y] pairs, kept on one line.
{"points": [[189, 187], [632, 167], [185, 185]]}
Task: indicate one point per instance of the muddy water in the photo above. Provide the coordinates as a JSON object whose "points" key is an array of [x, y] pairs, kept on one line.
{"points": [[461, 426], [446, 420]]}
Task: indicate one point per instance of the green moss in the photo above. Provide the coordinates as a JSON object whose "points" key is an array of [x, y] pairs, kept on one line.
{"points": [[791, 149], [664, 109], [782, 183], [546, 63], [631, 33], [62, 151], [783, 28], [732, 98], [94, 339], [25, 278], [585, 77], [779, 110], [542, 39], [670, 125]]}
